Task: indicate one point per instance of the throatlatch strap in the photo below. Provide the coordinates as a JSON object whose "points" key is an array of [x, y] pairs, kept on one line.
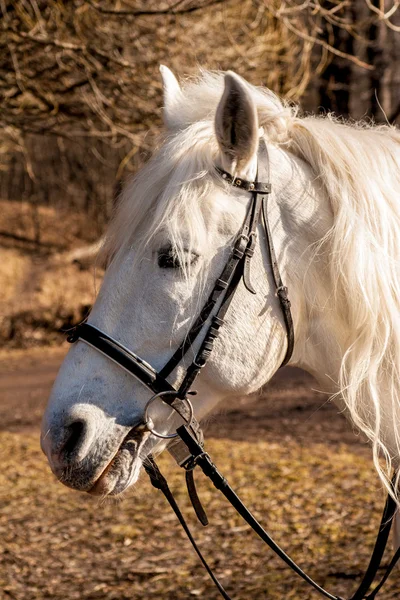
{"points": [[281, 289]]}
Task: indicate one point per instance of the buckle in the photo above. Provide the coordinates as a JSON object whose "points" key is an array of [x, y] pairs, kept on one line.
{"points": [[282, 291], [251, 245], [199, 362], [191, 464]]}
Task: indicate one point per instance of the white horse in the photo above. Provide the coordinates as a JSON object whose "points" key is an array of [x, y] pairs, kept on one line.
{"points": [[335, 222]]}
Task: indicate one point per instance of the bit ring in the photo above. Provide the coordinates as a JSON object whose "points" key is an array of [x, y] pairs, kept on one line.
{"points": [[148, 421]]}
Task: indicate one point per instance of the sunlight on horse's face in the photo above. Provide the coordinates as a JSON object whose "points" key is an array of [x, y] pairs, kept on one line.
{"points": [[89, 429], [149, 306]]}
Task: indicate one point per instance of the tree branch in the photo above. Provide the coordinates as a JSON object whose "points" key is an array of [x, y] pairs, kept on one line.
{"points": [[171, 10]]}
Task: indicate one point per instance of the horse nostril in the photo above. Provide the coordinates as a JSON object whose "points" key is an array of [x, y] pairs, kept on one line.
{"points": [[75, 436]]}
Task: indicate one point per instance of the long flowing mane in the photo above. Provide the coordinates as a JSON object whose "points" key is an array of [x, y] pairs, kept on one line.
{"points": [[359, 166]]}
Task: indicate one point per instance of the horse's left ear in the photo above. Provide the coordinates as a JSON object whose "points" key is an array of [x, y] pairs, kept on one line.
{"points": [[172, 95], [236, 125]]}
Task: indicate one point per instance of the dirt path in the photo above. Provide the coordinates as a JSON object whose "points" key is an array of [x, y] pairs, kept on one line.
{"points": [[26, 378]]}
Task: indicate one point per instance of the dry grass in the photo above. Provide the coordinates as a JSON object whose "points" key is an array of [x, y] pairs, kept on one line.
{"points": [[41, 290], [59, 544], [40, 297], [13, 269]]}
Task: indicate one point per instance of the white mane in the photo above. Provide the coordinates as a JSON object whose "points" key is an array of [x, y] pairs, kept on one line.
{"points": [[359, 166]]}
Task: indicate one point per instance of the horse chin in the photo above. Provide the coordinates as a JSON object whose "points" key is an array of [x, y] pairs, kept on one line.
{"points": [[116, 478], [123, 470]]}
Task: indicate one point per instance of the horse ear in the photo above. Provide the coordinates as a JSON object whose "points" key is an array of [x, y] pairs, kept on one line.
{"points": [[172, 95], [236, 125]]}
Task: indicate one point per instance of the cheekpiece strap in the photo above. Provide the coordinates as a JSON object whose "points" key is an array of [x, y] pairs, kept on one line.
{"points": [[249, 186]]}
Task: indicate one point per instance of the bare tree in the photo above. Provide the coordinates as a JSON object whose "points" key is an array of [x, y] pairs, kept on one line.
{"points": [[79, 82]]}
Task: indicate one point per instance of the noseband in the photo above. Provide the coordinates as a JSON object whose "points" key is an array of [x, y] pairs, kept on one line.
{"points": [[188, 449]]}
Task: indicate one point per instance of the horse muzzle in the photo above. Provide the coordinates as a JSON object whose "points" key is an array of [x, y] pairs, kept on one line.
{"points": [[90, 452]]}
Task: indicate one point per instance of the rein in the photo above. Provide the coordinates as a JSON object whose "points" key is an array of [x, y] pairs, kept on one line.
{"points": [[188, 446]]}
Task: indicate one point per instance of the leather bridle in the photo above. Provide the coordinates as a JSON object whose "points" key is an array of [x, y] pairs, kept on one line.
{"points": [[188, 448]]}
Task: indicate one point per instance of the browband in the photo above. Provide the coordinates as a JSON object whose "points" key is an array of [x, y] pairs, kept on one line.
{"points": [[250, 186]]}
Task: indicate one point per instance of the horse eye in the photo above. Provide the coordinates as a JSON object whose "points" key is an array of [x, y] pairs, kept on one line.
{"points": [[168, 259]]}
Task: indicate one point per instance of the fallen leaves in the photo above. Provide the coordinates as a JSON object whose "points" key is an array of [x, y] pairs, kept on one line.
{"points": [[322, 506]]}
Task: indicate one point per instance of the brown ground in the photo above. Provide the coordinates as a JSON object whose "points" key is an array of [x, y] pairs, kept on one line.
{"points": [[289, 454]]}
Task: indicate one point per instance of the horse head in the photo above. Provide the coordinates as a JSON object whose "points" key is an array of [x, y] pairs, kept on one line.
{"points": [[168, 242]]}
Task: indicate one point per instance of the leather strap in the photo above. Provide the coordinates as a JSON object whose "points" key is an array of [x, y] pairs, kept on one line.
{"points": [[217, 292], [249, 252], [390, 568], [160, 483], [207, 344], [201, 458], [122, 356], [281, 289], [237, 271], [194, 498], [219, 481], [377, 553], [260, 187]]}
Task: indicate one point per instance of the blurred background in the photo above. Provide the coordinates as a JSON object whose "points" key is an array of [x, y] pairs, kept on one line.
{"points": [[81, 109]]}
